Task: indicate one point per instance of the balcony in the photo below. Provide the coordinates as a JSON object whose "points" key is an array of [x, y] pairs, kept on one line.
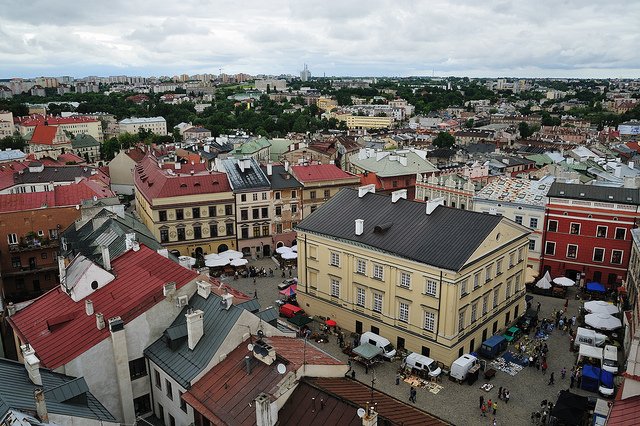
{"points": [[33, 244]]}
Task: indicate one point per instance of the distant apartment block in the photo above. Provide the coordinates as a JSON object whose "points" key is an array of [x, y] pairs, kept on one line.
{"points": [[157, 125]]}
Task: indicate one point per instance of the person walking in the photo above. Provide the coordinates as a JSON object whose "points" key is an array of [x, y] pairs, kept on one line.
{"points": [[538, 308], [544, 367], [481, 400], [495, 407], [412, 394], [572, 379], [566, 304], [483, 410], [500, 392], [397, 379], [551, 379], [563, 373], [507, 395]]}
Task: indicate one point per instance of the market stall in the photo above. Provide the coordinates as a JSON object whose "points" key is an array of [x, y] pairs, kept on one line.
{"points": [[367, 354]]}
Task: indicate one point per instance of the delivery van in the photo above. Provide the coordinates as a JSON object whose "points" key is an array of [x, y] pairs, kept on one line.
{"points": [[493, 346], [289, 311], [461, 366], [423, 364], [588, 337], [387, 349], [610, 359]]}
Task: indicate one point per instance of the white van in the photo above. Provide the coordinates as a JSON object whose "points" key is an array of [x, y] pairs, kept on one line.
{"points": [[589, 337], [462, 365], [387, 349], [610, 359], [422, 363]]}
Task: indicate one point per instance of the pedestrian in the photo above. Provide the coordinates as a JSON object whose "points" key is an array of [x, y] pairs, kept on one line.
{"points": [[412, 394], [538, 308], [366, 369], [254, 280], [500, 392], [289, 271], [481, 400], [573, 320], [572, 378], [353, 374], [495, 422], [507, 395], [283, 274], [397, 379], [483, 410], [489, 405], [578, 377], [563, 373], [566, 304], [495, 408], [544, 367], [551, 379]]}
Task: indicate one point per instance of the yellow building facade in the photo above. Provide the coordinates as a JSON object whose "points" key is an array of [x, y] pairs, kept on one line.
{"points": [[429, 309], [365, 122]]}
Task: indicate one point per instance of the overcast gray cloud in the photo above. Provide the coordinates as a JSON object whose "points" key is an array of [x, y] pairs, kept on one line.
{"points": [[581, 38]]}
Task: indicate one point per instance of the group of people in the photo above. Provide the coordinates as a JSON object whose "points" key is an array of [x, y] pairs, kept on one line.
{"points": [[541, 417], [488, 406]]}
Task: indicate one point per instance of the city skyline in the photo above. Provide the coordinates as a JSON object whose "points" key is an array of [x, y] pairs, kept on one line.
{"points": [[375, 38]]}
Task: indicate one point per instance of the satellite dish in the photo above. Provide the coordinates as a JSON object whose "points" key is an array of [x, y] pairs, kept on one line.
{"points": [[281, 368], [250, 347], [361, 412]]}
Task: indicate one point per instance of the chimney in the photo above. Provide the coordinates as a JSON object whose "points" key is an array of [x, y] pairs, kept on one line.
{"points": [[195, 327], [270, 169], [247, 363], [168, 289], [359, 226], [204, 289], [363, 190], [264, 415], [177, 165], [31, 363], [286, 166], [370, 418], [129, 239], [41, 405], [62, 269], [106, 257], [241, 165], [227, 299], [11, 309], [396, 195], [100, 321], [432, 204], [88, 307]]}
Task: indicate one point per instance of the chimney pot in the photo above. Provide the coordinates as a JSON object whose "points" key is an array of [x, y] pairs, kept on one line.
{"points": [[100, 321], [359, 226], [396, 195], [32, 364], [88, 307], [269, 169]]}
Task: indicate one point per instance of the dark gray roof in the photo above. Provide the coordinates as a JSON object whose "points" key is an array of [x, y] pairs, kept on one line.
{"points": [[183, 364], [594, 193], [106, 228], [16, 392], [52, 174], [84, 140], [281, 179], [446, 238], [269, 315], [252, 179]]}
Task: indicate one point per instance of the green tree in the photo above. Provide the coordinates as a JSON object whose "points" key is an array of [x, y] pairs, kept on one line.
{"points": [[525, 130], [444, 140], [13, 142], [109, 148], [469, 123]]}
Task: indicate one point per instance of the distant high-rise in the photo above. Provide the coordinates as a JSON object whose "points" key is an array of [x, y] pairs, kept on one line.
{"points": [[305, 74]]}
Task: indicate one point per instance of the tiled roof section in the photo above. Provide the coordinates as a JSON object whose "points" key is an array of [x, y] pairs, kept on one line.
{"points": [[226, 393], [153, 182], [38, 119], [390, 164], [345, 396], [84, 141], [595, 193], [624, 411], [294, 351], [136, 154], [281, 179], [521, 191], [251, 179], [63, 195], [68, 157], [252, 146], [446, 238], [184, 364], [140, 276], [53, 174], [321, 172], [17, 392], [43, 135], [7, 170], [329, 146]]}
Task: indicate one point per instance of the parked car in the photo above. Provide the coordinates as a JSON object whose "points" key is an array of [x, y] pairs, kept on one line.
{"points": [[528, 320], [512, 334], [287, 283]]}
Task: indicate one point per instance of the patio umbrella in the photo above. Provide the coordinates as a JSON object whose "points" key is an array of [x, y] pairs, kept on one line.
{"points": [[211, 256], [187, 260], [289, 255], [564, 281], [289, 291], [238, 262], [596, 287], [213, 262], [543, 283], [600, 307], [602, 321], [547, 276], [283, 249], [530, 275], [331, 323], [294, 248], [230, 254]]}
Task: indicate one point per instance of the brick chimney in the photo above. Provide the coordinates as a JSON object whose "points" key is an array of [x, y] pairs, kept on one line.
{"points": [[41, 405], [264, 415], [32, 364], [195, 327]]}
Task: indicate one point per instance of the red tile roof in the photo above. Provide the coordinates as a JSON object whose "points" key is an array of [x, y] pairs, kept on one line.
{"points": [[153, 182], [140, 276], [71, 157], [136, 154], [320, 172], [7, 170], [37, 119], [44, 135], [226, 393], [624, 411]]}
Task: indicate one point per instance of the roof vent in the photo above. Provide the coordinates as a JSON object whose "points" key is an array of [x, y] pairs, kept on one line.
{"points": [[396, 195], [433, 204], [264, 352], [169, 289], [381, 229], [204, 289], [363, 190]]}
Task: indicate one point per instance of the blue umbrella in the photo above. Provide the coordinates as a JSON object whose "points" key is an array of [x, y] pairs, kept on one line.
{"points": [[595, 286]]}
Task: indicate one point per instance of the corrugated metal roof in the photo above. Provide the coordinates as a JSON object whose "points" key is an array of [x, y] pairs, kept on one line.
{"points": [[446, 238], [281, 179], [252, 178], [595, 193], [391, 163], [17, 392], [321, 172]]}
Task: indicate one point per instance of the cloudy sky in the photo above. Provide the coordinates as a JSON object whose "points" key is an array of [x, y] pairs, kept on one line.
{"points": [[520, 38]]}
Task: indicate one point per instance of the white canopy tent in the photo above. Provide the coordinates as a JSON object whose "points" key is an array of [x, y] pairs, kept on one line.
{"points": [[216, 262], [543, 283], [283, 249], [231, 254], [600, 307], [602, 321], [238, 262], [289, 255]]}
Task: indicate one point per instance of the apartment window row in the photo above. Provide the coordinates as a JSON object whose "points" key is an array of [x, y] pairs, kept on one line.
{"points": [[264, 196], [197, 233], [195, 213], [599, 253], [601, 230]]}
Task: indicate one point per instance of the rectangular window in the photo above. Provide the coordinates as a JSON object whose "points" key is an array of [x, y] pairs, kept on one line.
{"points": [[53, 234], [550, 248], [256, 231], [616, 257], [265, 212], [243, 197], [213, 231], [244, 214], [512, 259], [142, 405], [507, 293], [488, 273], [474, 312], [276, 195], [405, 280], [313, 209], [164, 235], [162, 215], [244, 233], [294, 208], [476, 280], [156, 375], [532, 245], [230, 229], [518, 220], [228, 209], [463, 288], [598, 254], [197, 232], [195, 212], [264, 196], [255, 213], [327, 193], [213, 212], [377, 302], [520, 254], [16, 262], [361, 266], [431, 287], [335, 259], [335, 287], [183, 404], [278, 228], [360, 298], [429, 321], [254, 197], [574, 229], [265, 230], [403, 312], [460, 321], [496, 296], [378, 272], [601, 232], [621, 233], [312, 195], [294, 194], [181, 234], [169, 389], [278, 211], [137, 368], [552, 226], [485, 304], [533, 223], [179, 214], [12, 238], [572, 251], [499, 266]]}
